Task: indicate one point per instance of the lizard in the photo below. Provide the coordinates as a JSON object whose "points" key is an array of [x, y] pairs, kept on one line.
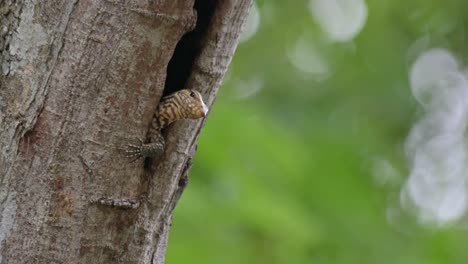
{"points": [[183, 104]]}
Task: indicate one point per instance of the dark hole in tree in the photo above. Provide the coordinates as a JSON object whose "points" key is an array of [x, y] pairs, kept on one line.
{"points": [[188, 48]]}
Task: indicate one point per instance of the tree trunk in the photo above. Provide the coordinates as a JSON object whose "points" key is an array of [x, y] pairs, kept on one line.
{"points": [[79, 80]]}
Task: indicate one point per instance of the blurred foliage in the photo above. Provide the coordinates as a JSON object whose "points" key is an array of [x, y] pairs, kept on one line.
{"points": [[294, 167]]}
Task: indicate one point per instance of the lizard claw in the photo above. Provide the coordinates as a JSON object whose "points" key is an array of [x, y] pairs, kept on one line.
{"points": [[142, 150], [134, 152]]}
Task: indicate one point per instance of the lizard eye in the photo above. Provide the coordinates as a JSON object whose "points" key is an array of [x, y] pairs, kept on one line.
{"points": [[192, 94]]}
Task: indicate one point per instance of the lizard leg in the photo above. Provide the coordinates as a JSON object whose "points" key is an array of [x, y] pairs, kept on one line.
{"points": [[143, 150]]}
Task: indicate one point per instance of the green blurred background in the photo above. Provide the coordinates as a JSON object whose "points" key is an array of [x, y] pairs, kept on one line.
{"points": [[302, 158]]}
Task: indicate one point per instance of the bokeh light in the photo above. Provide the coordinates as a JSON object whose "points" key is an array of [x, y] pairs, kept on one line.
{"points": [[251, 25], [341, 20], [307, 59], [436, 145]]}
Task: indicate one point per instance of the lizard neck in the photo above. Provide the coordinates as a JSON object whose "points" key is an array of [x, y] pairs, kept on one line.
{"points": [[160, 120], [167, 112]]}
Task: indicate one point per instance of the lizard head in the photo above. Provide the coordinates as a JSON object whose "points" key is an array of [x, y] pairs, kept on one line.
{"points": [[190, 103]]}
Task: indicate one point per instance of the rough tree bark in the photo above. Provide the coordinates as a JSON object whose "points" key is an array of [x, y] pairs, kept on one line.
{"points": [[80, 79]]}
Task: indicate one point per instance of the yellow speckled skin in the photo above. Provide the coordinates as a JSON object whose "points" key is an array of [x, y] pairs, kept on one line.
{"points": [[183, 104]]}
